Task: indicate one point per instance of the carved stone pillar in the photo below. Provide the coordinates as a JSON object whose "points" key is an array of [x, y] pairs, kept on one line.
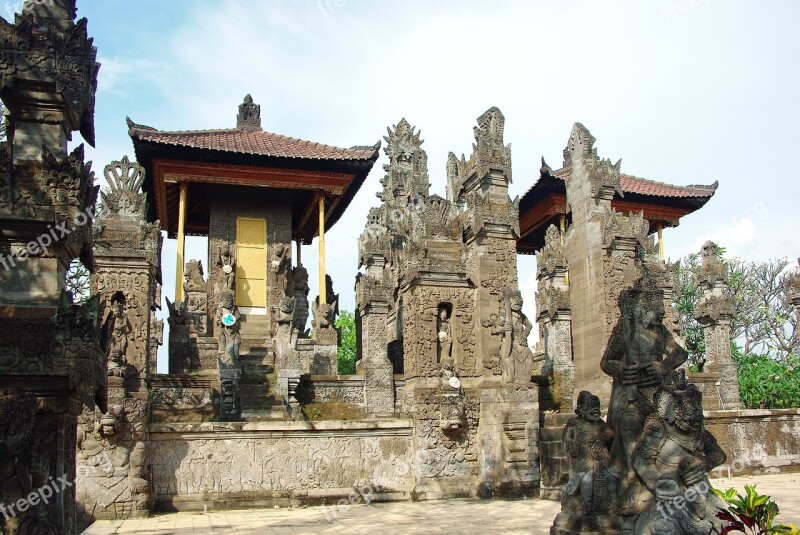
{"points": [[112, 454], [714, 312], [553, 308], [794, 290], [51, 361], [601, 249], [372, 308]]}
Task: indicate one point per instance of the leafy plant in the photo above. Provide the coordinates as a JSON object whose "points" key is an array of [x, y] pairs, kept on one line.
{"points": [[766, 382], [346, 324], [752, 513]]}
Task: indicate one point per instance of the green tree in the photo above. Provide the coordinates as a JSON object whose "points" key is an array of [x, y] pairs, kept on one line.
{"points": [[346, 325], [77, 282]]}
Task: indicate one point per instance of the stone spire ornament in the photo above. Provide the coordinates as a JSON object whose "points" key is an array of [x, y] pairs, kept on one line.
{"points": [[249, 118]]}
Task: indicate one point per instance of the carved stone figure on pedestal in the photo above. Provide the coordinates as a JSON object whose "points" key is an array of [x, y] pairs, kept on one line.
{"points": [[324, 323], [641, 355], [118, 337], [300, 286], [193, 280], [281, 262], [444, 334], [227, 272], [673, 457], [228, 325], [588, 439], [588, 499]]}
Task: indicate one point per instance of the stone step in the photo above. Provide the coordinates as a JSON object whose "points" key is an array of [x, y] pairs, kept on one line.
{"points": [[258, 361], [253, 389], [273, 415]]}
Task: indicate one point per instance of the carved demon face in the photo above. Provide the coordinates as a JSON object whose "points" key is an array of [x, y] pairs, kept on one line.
{"points": [[687, 417], [451, 412]]}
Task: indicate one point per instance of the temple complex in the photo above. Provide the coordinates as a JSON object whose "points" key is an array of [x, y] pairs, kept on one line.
{"points": [[448, 400]]}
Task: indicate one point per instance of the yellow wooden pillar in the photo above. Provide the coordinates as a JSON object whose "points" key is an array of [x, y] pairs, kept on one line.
{"points": [[179, 263], [660, 243], [322, 287]]}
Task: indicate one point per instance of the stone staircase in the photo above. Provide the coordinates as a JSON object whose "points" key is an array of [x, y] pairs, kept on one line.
{"points": [[257, 388]]}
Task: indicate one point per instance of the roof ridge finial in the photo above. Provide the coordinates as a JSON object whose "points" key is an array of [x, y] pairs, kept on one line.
{"points": [[249, 118]]}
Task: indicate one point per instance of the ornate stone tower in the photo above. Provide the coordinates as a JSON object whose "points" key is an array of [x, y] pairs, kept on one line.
{"points": [[51, 360], [439, 294], [112, 450]]}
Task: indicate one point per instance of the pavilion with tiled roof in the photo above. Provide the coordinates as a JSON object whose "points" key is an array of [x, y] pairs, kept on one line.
{"points": [[545, 204], [188, 170]]}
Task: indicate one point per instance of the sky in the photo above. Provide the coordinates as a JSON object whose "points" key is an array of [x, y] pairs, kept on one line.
{"points": [[683, 91]]}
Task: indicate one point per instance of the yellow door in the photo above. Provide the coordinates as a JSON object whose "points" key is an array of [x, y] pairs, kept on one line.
{"points": [[251, 262]]}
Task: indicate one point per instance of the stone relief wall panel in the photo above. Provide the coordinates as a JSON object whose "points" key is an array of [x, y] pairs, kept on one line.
{"points": [[186, 465], [445, 452]]}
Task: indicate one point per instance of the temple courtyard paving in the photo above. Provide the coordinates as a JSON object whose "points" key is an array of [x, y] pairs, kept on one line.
{"points": [[447, 517]]}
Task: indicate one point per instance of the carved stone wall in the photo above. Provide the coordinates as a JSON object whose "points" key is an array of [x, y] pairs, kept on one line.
{"points": [[440, 285], [280, 462]]}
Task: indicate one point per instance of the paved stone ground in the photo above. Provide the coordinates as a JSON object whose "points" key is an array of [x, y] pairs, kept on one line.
{"points": [[446, 517]]}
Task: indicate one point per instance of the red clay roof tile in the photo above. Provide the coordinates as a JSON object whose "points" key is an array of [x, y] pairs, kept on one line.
{"points": [[251, 142]]}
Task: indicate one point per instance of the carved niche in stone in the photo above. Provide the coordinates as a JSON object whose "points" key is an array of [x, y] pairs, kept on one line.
{"points": [[640, 356], [672, 458], [421, 330], [228, 326], [444, 334]]}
